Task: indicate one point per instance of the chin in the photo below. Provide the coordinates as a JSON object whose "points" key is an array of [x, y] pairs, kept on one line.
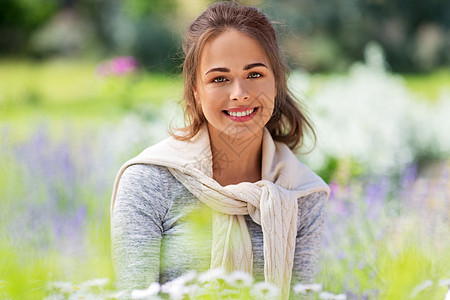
{"points": [[242, 131]]}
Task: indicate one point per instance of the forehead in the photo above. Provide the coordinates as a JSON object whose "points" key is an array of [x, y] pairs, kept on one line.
{"points": [[232, 49]]}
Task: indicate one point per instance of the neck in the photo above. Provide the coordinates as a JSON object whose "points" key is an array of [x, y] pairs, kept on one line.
{"points": [[234, 159]]}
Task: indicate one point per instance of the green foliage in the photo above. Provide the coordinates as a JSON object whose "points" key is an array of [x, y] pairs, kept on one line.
{"points": [[340, 170], [24, 271], [157, 47], [319, 36], [25, 14], [389, 273], [331, 35], [398, 273], [19, 18], [138, 9]]}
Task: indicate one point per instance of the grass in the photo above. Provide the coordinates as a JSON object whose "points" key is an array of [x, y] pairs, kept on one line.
{"points": [[63, 90], [428, 86]]}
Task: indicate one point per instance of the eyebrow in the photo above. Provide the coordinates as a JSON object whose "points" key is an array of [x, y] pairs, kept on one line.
{"points": [[247, 67]]}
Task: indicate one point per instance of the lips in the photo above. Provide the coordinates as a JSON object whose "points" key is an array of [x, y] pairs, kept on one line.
{"points": [[241, 114]]}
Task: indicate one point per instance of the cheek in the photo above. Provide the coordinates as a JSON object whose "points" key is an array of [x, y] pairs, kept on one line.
{"points": [[208, 99], [267, 93], [214, 96]]}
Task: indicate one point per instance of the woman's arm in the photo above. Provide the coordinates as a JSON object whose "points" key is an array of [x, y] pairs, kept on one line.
{"points": [[311, 218], [136, 227]]}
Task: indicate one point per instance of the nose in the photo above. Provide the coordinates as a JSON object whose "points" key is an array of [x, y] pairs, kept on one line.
{"points": [[239, 91]]}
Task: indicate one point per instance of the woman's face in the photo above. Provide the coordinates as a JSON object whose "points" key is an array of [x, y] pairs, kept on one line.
{"points": [[235, 85]]}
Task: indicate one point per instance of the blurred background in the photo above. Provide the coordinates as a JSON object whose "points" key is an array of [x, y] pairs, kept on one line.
{"points": [[87, 84], [321, 36]]}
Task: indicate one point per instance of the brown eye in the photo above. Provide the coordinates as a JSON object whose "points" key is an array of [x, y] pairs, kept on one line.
{"points": [[254, 75]]}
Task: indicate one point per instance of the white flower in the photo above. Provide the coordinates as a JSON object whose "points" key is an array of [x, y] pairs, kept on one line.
{"points": [[307, 288], [99, 282], [84, 296], [152, 290], [326, 295], [63, 286], [444, 282], [55, 297], [421, 287], [188, 277], [447, 296], [192, 290], [388, 126], [239, 278], [330, 296], [117, 295], [175, 288], [212, 275], [265, 290]]}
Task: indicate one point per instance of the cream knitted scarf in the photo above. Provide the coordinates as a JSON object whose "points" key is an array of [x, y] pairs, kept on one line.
{"points": [[271, 202]]}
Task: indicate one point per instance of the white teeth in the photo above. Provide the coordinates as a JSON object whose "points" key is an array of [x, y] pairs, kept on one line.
{"points": [[241, 113]]}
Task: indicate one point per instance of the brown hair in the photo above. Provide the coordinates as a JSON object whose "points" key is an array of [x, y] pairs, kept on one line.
{"points": [[288, 123]]}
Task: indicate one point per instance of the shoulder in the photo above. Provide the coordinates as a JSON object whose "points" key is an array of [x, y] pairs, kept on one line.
{"points": [[145, 183], [148, 177], [145, 174], [150, 181]]}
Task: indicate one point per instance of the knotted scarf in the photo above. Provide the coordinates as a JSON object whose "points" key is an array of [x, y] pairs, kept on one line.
{"points": [[272, 202]]}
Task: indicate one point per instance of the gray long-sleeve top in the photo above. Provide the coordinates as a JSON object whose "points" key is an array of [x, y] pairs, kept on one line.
{"points": [[160, 231]]}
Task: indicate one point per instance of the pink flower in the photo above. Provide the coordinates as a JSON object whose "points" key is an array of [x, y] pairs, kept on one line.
{"points": [[117, 66]]}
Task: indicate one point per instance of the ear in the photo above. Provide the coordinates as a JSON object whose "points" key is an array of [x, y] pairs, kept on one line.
{"points": [[196, 97]]}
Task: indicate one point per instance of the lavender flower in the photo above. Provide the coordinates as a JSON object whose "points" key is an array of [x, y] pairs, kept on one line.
{"points": [[331, 296]]}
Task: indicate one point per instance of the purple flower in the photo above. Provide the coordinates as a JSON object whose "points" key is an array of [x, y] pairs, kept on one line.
{"points": [[334, 187], [54, 178], [341, 255]]}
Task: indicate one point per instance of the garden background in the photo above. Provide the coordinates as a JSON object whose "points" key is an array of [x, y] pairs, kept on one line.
{"points": [[87, 84]]}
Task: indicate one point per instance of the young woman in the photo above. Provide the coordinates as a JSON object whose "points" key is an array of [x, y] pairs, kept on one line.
{"points": [[233, 160]]}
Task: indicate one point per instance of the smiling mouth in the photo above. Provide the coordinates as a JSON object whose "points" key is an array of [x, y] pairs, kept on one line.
{"points": [[240, 113]]}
